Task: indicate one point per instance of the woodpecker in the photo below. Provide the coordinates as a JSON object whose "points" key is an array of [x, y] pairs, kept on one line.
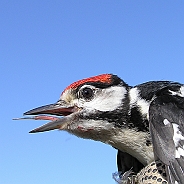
{"points": [[145, 123]]}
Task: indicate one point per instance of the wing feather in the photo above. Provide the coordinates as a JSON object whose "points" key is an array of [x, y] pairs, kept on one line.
{"points": [[166, 117]]}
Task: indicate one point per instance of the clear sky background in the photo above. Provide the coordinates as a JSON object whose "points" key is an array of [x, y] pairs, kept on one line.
{"points": [[46, 45]]}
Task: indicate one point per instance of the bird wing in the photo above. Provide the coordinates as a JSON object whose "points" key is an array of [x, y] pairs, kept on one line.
{"points": [[166, 118]]}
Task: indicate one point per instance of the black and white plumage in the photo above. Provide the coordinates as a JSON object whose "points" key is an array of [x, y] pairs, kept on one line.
{"points": [[145, 122], [167, 130]]}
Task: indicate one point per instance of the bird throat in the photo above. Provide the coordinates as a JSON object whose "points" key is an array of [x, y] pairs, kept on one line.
{"points": [[134, 143]]}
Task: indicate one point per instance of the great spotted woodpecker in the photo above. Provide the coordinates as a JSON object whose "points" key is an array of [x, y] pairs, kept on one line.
{"points": [[145, 123]]}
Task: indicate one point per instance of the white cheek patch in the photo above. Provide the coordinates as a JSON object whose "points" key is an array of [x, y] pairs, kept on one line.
{"points": [[136, 100], [108, 99]]}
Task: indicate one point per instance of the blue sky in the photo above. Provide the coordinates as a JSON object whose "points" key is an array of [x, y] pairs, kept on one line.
{"points": [[46, 45]]}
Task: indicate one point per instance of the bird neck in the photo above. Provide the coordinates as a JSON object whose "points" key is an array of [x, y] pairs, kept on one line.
{"points": [[133, 142]]}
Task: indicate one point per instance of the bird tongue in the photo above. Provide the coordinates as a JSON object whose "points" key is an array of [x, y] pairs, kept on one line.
{"points": [[44, 117], [55, 123]]}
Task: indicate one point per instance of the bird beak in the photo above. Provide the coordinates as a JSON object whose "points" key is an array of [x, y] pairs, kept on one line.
{"points": [[59, 109]]}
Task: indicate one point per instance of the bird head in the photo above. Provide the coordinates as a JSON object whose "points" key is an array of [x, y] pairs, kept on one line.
{"points": [[88, 108], [101, 108]]}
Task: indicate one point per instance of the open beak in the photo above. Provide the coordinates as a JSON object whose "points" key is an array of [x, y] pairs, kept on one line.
{"points": [[58, 109]]}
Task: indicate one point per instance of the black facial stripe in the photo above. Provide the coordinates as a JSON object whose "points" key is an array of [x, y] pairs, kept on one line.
{"points": [[120, 119], [117, 117], [137, 121]]}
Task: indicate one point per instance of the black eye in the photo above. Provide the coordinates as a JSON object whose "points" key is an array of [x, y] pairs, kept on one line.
{"points": [[87, 93]]}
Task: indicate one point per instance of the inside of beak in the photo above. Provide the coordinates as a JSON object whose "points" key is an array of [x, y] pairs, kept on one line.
{"points": [[56, 122], [59, 123]]}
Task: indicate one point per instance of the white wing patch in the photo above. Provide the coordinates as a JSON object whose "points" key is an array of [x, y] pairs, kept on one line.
{"points": [[179, 93], [178, 137], [177, 134], [182, 91], [136, 100], [166, 122], [179, 152]]}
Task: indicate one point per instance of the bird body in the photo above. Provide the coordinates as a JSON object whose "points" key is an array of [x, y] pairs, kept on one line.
{"points": [[145, 121], [154, 173]]}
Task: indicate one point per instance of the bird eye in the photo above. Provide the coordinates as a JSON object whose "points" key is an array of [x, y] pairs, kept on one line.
{"points": [[87, 93]]}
